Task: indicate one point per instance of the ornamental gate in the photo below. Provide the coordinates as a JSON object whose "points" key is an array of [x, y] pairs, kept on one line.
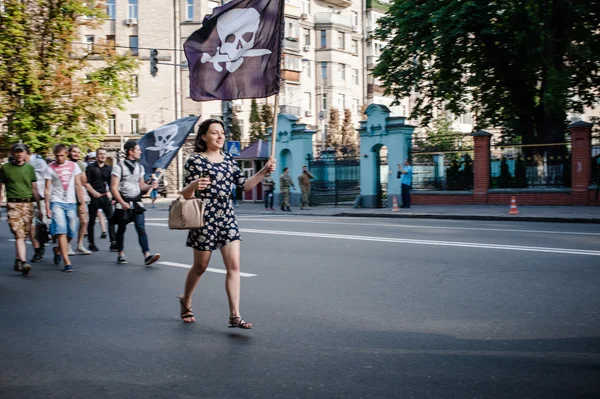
{"points": [[336, 179]]}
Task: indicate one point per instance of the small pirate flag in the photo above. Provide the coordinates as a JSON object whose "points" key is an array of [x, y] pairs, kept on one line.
{"points": [[237, 52], [160, 146]]}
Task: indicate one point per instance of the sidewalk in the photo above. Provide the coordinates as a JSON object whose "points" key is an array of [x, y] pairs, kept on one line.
{"points": [[564, 214]]}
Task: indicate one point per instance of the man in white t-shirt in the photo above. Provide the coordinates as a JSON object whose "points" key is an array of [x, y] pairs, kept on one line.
{"points": [[127, 186], [63, 192]]}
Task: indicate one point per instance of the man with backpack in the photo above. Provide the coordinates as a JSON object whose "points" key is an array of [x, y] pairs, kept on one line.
{"points": [[127, 187]]}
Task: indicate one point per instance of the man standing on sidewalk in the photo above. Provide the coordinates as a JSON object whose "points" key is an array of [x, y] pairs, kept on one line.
{"points": [[304, 183], [285, 181], [269, 187], [64, 200], [19, 179], [405, 176], [127, 186], [98, 185], [75, 156]]}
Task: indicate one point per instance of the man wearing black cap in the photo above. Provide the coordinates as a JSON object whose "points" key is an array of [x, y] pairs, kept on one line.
{"points": [[127, 186], [21, 190]]}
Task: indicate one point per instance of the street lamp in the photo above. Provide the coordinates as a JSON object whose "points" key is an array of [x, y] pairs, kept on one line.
{"points": [[322, 112]]}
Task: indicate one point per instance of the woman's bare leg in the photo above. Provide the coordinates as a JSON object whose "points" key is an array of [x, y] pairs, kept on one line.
{"points": [[231, 258], [201, 259]]}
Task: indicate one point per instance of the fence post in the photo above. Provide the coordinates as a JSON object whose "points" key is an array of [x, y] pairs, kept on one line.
{"points": [[481, 163], [581, 156]]}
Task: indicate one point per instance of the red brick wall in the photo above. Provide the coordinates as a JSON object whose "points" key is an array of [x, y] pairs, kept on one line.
{"points": [[572, 198]]}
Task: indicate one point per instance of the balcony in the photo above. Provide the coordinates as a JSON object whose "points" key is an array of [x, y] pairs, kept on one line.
{"points": [[330, 18], [290, 75], [372, 61], [291, 43], [339, 3], [290, 109]]}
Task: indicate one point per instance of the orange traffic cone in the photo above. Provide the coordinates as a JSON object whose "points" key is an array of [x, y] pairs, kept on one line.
{"points": [[513, 207], [395, 205]]}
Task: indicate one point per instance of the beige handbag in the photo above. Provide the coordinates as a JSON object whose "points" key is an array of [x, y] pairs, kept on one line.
{"points": [[186, 214]]}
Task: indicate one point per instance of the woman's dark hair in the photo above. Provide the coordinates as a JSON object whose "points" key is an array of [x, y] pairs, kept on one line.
{"points": [[200, 144]]}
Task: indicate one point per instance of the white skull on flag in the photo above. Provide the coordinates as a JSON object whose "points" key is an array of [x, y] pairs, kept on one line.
{"points": [[237, 30]]}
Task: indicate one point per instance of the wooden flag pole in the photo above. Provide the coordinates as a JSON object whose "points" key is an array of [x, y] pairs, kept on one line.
{"points": [[274, 131]]}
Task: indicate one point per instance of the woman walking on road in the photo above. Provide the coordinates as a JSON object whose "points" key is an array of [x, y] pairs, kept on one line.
{"points": [[210, 174]]}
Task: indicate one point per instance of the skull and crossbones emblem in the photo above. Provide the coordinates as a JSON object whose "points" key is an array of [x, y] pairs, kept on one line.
{"points": [[237, 31], [163, 140]]}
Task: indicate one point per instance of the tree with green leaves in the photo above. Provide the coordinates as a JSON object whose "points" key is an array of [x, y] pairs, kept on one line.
{"points": [[236, 129], [256, 126], [266, 114], [348, 141], [50, 91], [516, 64], [439, 136]]}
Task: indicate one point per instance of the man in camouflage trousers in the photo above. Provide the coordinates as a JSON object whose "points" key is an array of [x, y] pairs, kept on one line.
{"points": [[304, 183], [286, 181], [21, 192]]}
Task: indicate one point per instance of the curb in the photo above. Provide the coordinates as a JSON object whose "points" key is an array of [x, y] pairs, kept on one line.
{"points": [[546, 219]]}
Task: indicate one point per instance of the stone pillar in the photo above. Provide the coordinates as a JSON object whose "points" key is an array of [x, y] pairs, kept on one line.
{"points": [[581, 155], [481, 163]]}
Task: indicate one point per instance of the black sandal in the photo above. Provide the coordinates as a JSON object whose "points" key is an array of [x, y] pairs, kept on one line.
{"points": [[185, 310], [241, 323]]}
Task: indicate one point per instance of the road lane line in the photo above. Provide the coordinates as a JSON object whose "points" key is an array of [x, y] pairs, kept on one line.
{"points": [[208, 269], [425, 227], [570, 251]]}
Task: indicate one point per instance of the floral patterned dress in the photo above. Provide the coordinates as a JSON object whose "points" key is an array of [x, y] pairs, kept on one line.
{"points": [[220, 226]]}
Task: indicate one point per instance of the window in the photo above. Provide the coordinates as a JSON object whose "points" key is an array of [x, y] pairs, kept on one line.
{"points": [[212, 4], [355, 76], [189, 14], [306, 35], [341, 40], [135, 123], [341, 102], [306, 6], [343, 72], [323, 70], [323, 38], [377, 49], [291, 29], [292, 63], [324, 101], [133, 9], [111, 9], [112, 124], [306, 69], [307, 101], [355, 106], [135, 86], [2, 8], [354, 48], [354, 18], [89, 40], [466, 118], [110, 41], [133, 45]]}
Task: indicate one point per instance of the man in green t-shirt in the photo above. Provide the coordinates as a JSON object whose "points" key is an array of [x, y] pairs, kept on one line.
{"points": [[19, 179]]}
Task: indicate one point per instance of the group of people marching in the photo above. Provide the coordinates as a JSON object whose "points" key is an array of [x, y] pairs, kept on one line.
{"points": [[60, 188], [71, 194]]}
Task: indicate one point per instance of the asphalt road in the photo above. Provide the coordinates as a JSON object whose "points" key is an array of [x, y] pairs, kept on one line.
{"points": [[341, 307]]}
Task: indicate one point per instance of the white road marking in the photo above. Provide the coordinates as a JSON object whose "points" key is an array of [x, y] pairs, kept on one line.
{"points": [[156, 219], [425, 227], [208, 269], [569, 251]]}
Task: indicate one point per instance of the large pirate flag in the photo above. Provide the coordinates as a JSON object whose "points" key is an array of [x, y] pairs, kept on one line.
{"points": [[160, 146], [237, 52]]}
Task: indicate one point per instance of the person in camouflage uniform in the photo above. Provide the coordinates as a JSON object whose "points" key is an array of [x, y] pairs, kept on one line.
{"points": [[286, 181], [304, 183]]}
